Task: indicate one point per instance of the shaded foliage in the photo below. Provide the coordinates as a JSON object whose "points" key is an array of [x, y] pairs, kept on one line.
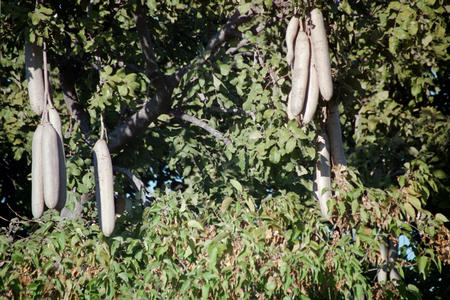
{"points": [[238, 219]]}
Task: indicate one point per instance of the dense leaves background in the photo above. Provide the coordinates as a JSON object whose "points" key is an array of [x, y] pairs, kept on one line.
{"points": [[230, 215]]}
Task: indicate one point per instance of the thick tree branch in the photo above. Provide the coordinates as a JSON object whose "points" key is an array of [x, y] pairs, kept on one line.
{"points": [[162, 99], [202, 124], [78, 210], [153, 71], [67, 75], [140, 120], [227, 31], [244, 41], [138, 185]]}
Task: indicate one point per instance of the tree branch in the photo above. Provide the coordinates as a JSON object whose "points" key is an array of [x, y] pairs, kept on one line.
{"points": [[138, 185], [133, 67], [226, 110], [234, 111], [132, 127], [244, 41], [162, 99], [78, 210], [153, 71], [221, 36], [199, 123], [67, 78]]}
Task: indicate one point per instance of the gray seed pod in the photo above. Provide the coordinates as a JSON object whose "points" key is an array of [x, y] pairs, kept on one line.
{"points": [[37, 185], [104, 186], [35, 77]]}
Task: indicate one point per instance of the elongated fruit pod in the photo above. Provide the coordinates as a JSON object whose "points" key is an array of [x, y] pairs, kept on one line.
{"points": [[321, 53], [35, 77], [300, 73], [55, 121], [37, 185], [50, 165], [394, 275], [322, 180], [312, 98], [291, 34], [288, 107], [382, 271], [335, 134], [104, 186]]}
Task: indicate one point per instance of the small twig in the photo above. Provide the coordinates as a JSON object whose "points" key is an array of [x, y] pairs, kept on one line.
{"points": [[17, 215], [202, 124], [226, 110], [234, 111], [152, 69], [221, 36], [46, 91], [137, 183], [67, 77], [130, 66], [102, 127]]}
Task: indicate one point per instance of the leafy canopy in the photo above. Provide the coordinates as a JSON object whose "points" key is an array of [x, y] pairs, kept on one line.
{"points": [[230, 212]]}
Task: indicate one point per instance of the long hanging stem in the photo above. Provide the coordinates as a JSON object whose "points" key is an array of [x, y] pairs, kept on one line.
{"points": [[102, 127], [44, 117], [48, 99]]}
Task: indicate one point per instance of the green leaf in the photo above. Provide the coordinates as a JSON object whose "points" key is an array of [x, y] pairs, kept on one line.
{"points": [[393, 45], [225, 204], [205, 291], [243, 8], [416, 89], [422, 262], [409, 210], [107, 70], [414, 201], [413, 27], [274, 155], [290, 145], [224, 69], [271, 285], [441, 217], [216, 82], [236, 185], [440, 174], [382, 95], [400, 33], [195, 224], [427, 40]]}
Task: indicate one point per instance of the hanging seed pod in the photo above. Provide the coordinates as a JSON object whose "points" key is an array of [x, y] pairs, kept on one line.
{"points": [[382, 271], [37, 185], [322, 181], [300, 73], [288, 107], [335, 134], [291, 34], [55, 121], [321, 53], [50, 165], [312, 98], [34, 75], [104, 186], [394, 275]]}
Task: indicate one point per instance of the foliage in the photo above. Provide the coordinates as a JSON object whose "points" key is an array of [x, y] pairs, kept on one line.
{"points": [[238, 219]]}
